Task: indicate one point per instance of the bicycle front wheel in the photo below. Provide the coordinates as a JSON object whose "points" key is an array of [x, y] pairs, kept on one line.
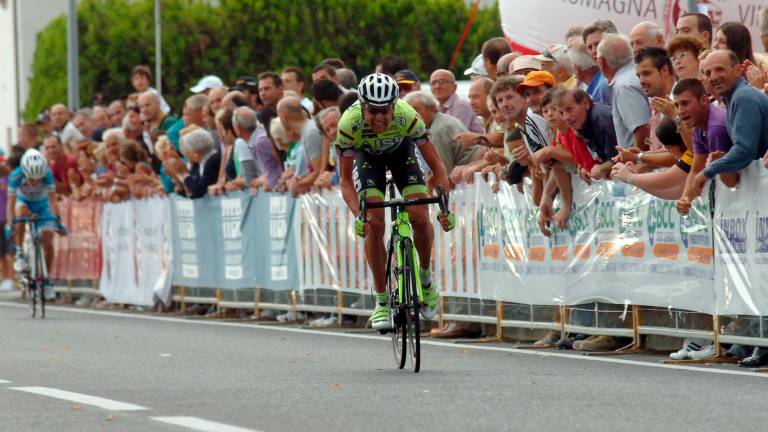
{"points": [[412, 305], [397, 312]]}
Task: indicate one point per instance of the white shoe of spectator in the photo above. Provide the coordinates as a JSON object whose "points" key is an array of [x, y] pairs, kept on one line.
{"points": [[707, 351], [6, 285], [288, 316], [84, 300], [319, 322], [685, 352], [268, 313]]}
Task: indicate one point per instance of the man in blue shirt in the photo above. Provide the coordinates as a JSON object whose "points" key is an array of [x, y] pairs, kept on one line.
{"points": [[747, 113]]}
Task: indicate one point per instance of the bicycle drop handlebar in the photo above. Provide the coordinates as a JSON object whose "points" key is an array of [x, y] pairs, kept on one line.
{"points": [[441, 200]]}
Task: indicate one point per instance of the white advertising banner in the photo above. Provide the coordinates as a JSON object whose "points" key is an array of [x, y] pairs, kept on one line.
{"points": [[741, 244], [533, 25], [620, 246], [136, 265]]}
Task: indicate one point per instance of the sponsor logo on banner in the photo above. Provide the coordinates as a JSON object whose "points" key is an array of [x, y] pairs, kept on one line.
{"points": [[662, 217]]}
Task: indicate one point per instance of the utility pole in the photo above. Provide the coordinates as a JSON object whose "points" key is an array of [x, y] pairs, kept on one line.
{"points": [[158, 50], [73, 59]]}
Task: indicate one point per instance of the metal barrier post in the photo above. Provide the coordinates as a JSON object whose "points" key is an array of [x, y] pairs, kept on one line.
{"points": [[182, 301], [256, 305], [499, 328]]}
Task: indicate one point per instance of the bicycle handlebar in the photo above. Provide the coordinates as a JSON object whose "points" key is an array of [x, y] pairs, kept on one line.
{"points": [[441, 200], [25, 219]]}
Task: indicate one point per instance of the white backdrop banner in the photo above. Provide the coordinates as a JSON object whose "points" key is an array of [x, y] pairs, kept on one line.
{"points": [[136, 244], [741, 240], [532, 25], [621, 246]]}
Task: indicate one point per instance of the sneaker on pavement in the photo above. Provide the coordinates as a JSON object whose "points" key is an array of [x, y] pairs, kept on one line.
{"points": [[550, 338], [684, 353], [380, 318], [431, 297], [84, 300], [707, 351], [288, 316], [20, 263], [599, 343]]}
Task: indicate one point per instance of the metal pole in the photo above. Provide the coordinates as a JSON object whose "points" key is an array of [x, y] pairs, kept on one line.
{"points": [[158, 50], [73, 66]]}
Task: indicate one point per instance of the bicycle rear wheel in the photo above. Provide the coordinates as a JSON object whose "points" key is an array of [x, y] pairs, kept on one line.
{"points": [[397, 314], [412, 305]]}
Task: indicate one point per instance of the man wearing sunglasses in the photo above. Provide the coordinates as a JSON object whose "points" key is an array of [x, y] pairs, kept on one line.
{"points": [[377, 133]]}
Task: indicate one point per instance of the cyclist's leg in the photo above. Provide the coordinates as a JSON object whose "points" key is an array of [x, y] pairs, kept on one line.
{"points": [[370, 177], [20, 262], [409, 179]]}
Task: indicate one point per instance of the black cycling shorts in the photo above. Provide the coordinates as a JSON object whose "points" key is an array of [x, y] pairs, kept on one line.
{"points": [[370, 171]]}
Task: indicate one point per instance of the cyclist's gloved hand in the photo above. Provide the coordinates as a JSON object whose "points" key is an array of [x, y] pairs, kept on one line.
{"points": [[360, 228], [447, 222]]}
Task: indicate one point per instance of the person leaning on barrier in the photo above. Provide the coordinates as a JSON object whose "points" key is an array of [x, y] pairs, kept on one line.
{"points": [[442, 130], [630, 110], [245, 123], [710, 133], [667, 184], [327, 122], [296, 121], [205, 158], [747, 111], [593, 123]]}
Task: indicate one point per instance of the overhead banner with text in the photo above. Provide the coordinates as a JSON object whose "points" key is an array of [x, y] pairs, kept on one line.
{"points": [[533, 25]]}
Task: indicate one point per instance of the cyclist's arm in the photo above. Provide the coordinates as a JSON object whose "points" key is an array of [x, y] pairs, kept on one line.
{"points": [[53, 203], [347, 185]]}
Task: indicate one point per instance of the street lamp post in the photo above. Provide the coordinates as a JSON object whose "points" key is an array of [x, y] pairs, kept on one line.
{"points": [[73, 63]]}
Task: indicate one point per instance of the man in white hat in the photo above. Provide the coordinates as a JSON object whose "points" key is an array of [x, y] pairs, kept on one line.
{"points": [[555, 60], [524, 64], [207, 83], [476, 70]]}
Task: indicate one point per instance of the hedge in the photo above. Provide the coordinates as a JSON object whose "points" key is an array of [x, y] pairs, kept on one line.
{"points": [[244, 37]]}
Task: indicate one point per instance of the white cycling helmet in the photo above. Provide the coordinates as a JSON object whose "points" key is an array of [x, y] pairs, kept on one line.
{"points": [[378, 89], [33, 164]]}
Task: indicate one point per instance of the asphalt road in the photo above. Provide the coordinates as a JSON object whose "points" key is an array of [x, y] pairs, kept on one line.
{"points": [[111, 371]]}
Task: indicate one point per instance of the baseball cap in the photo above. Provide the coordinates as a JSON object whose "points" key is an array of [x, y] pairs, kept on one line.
{"points": [[406, 76], [477, 67], [535, 79], [207, 82], [554, 53], [525, 62], [246, 82]]}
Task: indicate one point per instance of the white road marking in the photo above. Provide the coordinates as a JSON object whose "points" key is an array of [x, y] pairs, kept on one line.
{"points": [[199, 424], [613, 360], [81, 398], [5, 382]]}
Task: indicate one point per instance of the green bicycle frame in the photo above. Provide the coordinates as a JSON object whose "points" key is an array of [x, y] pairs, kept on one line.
{"points": [[404, 230]]}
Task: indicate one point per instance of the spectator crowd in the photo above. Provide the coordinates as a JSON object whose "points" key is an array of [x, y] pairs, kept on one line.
{"points": [[662, 114]]}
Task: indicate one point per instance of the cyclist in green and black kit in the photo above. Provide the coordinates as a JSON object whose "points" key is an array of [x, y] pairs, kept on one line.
{"points": [[377, 133]]}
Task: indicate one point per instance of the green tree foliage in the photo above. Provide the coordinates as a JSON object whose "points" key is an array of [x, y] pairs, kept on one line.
{"points": [[244, 37]]}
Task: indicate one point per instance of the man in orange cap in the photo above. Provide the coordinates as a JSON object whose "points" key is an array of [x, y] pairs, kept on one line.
{"points": [[534, 86]]}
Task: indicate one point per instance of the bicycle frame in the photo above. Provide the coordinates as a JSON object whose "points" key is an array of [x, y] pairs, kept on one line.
{"points": [[37, 272]]}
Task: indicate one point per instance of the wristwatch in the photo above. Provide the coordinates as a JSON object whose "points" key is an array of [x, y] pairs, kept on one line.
{"points": [[639, 158]]}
